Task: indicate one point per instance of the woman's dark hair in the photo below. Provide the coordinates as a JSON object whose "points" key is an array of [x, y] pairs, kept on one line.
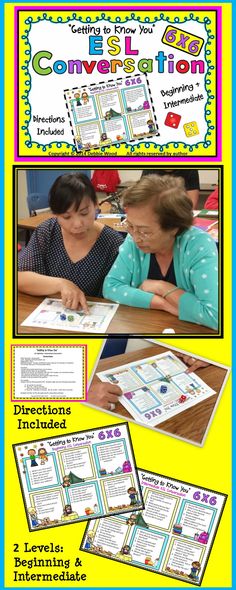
{"points": [[68, 190]]}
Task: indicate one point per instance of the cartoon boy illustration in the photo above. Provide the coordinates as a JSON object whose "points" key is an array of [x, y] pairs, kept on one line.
{"points": [[124, 553], [104, 140], [78, 99], [32, 453], [133, 494], [66, 481], [195, 569], [68, 513], [137, 519], [151, 125]]}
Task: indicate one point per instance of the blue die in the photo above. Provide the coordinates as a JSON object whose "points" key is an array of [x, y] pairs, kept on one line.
{"points": [[63, 316], [163, 389]]}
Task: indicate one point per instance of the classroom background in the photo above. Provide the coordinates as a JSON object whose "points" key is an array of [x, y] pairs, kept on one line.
{"points": [[40, 180]]}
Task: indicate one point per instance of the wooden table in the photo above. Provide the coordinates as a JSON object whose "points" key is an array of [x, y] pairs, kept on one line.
{"points": [[191, 424], [30, 223], [127, 320]]}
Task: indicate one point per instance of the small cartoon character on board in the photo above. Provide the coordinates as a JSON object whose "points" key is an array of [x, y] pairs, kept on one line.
{"points": [[89, 540], [195, 569], [68, 513], [66, 481], [137, 518], [85, 97], [79, 144], [77, 96], [124, 553], [151, 125], [33, 517], [104, 140], [42, 453], [133, 495], [32, 455]]}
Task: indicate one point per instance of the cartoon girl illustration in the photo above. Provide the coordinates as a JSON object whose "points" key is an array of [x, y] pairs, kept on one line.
{"points": [[79, 142], [89, 540], [33, 517], [85, 97], [42, 453]]}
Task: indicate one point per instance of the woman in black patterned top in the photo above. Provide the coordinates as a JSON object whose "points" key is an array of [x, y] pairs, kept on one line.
{"points": [[70, 253]]}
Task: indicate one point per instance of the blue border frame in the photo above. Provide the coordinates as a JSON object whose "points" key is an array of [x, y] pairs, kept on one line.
{"points": [[30, 489], [88, 120], [124, 119], [96, 458], [151, 393], [179, 516], [157, 378], [150, 531], [123, 93], [2, 299], [99, 498]]}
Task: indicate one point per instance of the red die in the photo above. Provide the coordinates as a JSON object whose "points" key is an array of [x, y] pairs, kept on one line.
{"points": [[172, 120]]}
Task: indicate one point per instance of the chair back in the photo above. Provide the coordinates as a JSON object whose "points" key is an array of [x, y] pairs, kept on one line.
{"points": [[37, 201]]}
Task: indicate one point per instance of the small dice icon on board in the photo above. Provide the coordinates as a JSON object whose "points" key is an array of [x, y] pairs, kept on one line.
{"points": [[191, 129], [172, 120], [163, 389]]}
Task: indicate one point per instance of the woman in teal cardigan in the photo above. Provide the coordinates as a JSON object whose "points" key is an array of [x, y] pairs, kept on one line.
{"points": [[165, 263]]}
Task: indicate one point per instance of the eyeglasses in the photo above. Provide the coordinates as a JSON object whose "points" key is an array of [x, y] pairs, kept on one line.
{"points": [[141, 233]]}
